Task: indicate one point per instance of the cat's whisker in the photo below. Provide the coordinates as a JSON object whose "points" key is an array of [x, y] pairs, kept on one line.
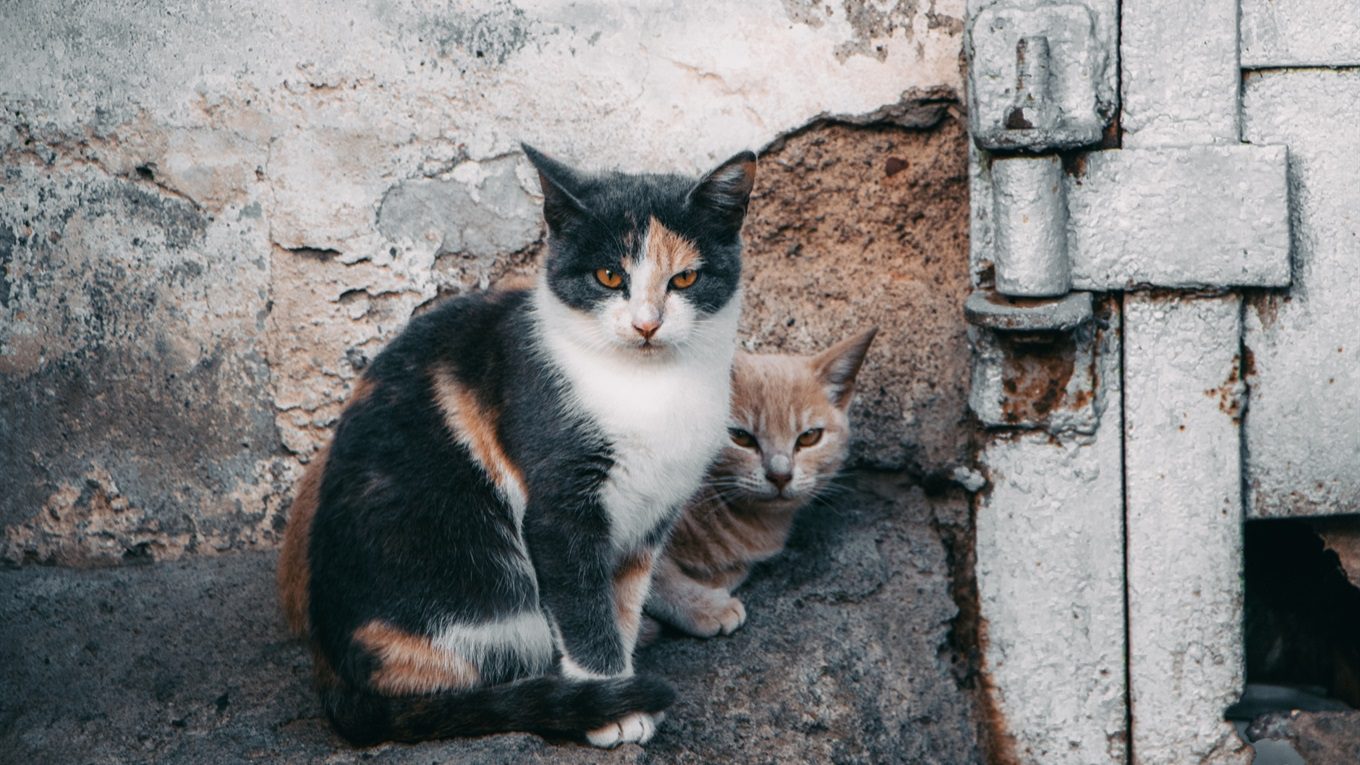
{"points": [[726, 481], [729, 494]]}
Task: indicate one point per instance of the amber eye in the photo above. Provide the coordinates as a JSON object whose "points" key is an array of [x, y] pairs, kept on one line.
{"points": [[809, 437], [742, 438], [685, 279], [609, 278]]}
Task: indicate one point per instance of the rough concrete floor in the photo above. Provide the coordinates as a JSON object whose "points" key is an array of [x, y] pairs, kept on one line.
{"points": [[846, 658], [1315, 738]]}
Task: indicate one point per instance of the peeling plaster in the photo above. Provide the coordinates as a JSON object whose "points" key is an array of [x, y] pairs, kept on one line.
{"points": [[212, 219]]}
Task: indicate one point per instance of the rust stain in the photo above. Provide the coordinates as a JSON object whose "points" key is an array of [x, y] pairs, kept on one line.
{"points": [[1229, 394], [986, 275], [1113, 135], [968, 631], [1341, 535], [1035, 380], [1074, 165], [1082, 399], [1267, 304], [998, 743], [1016, 120], [996, 298]]}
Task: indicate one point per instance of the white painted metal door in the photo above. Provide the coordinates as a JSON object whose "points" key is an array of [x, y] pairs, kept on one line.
{"points": [[1215, 222]]}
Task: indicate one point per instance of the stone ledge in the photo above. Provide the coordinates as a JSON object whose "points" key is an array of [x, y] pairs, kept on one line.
{"points": [[847, 658]]}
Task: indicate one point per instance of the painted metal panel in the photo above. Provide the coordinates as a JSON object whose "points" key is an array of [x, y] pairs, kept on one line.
{"points": [[1051, 582], [1182, 477], [1182, 442], [1182, 394], [1179, 72], [1277, 33], [1303, 426], [1180, 217]]}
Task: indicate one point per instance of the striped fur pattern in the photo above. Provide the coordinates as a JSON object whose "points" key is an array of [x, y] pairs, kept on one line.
{"points": [[472, 551], [790, 433]]}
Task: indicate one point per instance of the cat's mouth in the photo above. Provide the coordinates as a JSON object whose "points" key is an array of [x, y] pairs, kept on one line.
{"points": [[776, 495], [651, 347]]}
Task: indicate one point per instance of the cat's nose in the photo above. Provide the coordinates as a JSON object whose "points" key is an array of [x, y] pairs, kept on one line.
{"points": [[779, 479], [779, 471], [647, 328]]}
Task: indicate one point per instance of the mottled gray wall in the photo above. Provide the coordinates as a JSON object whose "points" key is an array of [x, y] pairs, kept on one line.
{"points": [[212, 214]]}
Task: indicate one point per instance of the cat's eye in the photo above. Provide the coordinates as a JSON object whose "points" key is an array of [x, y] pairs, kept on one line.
{"points": [[609, 278], [742, 438], [809, 437], [685, 279]]}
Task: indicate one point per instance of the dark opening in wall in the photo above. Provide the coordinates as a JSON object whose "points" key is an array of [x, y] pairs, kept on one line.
{"points": [[1302, 616]]}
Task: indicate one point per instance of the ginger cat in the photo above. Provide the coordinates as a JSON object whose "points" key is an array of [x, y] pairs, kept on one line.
{"points": [[789, 435]]}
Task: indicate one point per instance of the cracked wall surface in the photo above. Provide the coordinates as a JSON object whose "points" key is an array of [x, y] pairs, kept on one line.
{"points": [[213, 215], [853, 227]]}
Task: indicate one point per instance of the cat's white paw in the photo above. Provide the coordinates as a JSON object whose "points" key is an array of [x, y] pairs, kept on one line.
{"points": [[732, 617], [636, 728], [721, 619]]}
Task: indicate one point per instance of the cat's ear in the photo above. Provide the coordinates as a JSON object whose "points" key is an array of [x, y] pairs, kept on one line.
{"points": [[561, 185], [837, 366], [722, 194]]}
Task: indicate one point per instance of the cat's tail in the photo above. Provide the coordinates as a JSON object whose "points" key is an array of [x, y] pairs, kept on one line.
{"points": [[549, 705]]}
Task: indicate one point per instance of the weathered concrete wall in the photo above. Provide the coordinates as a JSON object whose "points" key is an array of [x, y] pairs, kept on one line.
{"points": [[213, 215]]}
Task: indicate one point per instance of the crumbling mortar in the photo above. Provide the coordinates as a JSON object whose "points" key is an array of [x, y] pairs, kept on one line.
{"points": [[916, 109]]}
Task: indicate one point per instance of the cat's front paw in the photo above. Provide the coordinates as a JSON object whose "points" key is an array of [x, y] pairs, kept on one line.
{"points": [[638, 727], [723, 618]]}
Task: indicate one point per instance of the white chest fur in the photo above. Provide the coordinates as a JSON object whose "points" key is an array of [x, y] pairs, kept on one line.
{"points": [[666, 419]]}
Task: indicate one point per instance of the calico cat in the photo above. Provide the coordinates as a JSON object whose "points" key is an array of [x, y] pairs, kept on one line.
{"points": [[789, 436], [472, 551]]}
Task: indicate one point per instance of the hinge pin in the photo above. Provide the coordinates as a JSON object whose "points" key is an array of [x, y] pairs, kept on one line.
{"points": [[1030, 208]]}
